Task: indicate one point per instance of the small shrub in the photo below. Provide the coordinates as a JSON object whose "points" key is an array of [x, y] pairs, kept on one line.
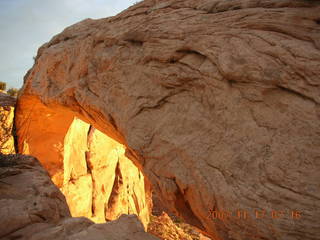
{"points": [[13, 92], [3, 86]]}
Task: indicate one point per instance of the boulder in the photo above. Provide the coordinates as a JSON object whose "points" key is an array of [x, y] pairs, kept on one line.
{"points": [[216, 102], [33, 208], [27, 195]]}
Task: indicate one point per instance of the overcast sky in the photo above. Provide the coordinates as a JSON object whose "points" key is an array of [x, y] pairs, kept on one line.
{"points": [[26, 24]]}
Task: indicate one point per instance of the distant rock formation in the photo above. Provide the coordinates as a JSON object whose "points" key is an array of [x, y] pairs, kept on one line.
{"points": [[216, 101], [99, 176], [7, 104], [32, 208]]}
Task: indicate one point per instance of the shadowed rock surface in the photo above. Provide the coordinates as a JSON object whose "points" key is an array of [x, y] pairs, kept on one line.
{"points": [[33, 208], [216, 101]]}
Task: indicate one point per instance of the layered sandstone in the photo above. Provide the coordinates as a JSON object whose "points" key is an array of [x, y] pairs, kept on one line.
{"points": [[216, 102], [33, 208], [7, 104]]}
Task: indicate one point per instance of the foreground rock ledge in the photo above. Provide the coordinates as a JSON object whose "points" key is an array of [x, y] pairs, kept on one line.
{"points": [[32, 208], [216, 101]]}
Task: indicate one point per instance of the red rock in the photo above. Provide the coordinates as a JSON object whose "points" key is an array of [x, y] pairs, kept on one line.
{"points": [[217, 103]]}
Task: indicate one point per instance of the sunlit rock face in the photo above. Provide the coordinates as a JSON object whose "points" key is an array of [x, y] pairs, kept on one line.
{"points": [[216, 101], [7, 105], [90, 168], [99, 181]]}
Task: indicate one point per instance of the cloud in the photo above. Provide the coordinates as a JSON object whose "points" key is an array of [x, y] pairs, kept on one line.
{"points": [[27, 24]]}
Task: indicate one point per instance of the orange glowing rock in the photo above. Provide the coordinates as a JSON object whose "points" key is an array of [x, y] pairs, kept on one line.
{"points": [[90, 168], [216, 101], [6, 123]]}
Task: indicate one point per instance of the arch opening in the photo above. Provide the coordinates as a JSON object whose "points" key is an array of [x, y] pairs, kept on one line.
{"points": [[99, 176], [91, 169]]}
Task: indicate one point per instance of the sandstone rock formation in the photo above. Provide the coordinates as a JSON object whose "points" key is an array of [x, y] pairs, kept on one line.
{"points": [[163, 227], [99, 182], [216, 101], [27, 195], [7, 104], [32, 208]]}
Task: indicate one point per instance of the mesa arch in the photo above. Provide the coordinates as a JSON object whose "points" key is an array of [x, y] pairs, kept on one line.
{"points": [[217, 102], [90, 168]]}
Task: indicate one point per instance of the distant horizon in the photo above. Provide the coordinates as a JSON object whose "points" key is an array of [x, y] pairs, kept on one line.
{"points": [[28, 24]]}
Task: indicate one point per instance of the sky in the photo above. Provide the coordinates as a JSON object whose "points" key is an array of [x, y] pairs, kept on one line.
{"points": [[27, 24]]}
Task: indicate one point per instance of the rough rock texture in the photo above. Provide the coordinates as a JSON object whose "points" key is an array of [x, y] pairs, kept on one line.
{"points": [[7, 104], [33, 208], [27, 195], [164, 228], [99, 182], [216, 101], [170, 227]]}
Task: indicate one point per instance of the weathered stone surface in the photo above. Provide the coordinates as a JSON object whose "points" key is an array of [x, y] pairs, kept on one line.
{"points": [[27, 195], [7, 104], [126, 227], [216, 101], [33, 208], [99, 182], [165, 228]]}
